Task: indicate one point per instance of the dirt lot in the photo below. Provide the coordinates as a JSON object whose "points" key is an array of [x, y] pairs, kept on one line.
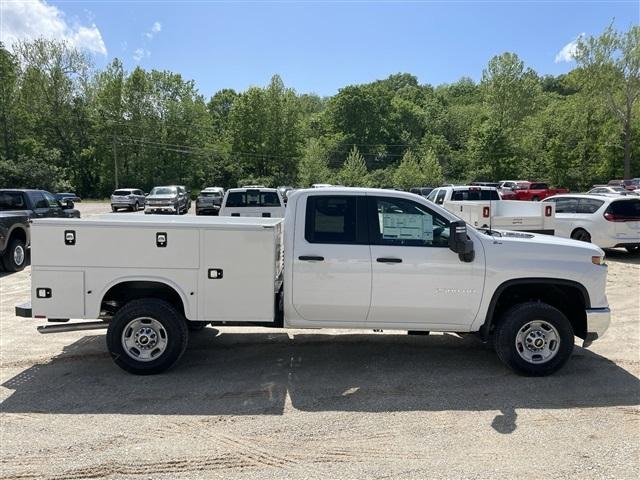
{"points": [[262, 404]]}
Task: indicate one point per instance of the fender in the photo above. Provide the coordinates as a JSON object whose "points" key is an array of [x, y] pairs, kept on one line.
{"points": [[488, 322], [149, 278]]}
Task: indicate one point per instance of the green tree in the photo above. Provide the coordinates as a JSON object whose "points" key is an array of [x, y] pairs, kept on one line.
{"points": [[313, 167], [354, 171], [612, 61]]}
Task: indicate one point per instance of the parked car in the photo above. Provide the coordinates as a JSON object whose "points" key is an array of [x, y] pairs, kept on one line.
{"points": [[535, 191], [68, 196], [17, 208], [615, 191], [168, 199], [607, 221], [510, 183], [252, 202], [349, 258], [130, 198], [422, 191], [482, 207], [209, 201], [629, 184]]}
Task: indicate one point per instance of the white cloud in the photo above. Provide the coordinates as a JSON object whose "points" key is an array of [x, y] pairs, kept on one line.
{"points": [[36, 19], [140, 53], [568, 52], [155, 28]]}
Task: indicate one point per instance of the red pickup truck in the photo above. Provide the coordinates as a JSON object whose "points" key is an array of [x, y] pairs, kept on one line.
{"points": [[533, 191]]}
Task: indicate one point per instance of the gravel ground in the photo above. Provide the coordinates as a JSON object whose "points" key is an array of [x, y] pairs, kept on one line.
{"points": [[259, 403]]}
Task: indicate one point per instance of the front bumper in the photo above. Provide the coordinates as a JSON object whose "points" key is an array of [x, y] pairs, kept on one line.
{"points": [[159, 209], [598, 320]]}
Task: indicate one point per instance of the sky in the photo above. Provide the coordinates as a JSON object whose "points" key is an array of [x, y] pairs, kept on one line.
{"points": [[317, 46]]}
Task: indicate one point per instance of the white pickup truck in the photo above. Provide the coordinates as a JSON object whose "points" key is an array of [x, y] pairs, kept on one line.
{"points": [[482, 207], [346, 258]]}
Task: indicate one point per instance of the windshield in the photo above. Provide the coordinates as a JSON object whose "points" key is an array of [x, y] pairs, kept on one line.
{"points": [[252, 198], [210, 194], [11, 201], [164, 191], [122, 193]]}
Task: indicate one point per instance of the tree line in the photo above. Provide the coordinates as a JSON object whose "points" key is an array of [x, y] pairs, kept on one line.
{"points": [[67, 126]]}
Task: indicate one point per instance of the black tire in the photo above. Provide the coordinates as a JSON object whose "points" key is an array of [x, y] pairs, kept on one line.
{"points": [[633, 249], [195, 326], [581, 235], [11, 257], [173, 327], [515, 321], [114, 209]]}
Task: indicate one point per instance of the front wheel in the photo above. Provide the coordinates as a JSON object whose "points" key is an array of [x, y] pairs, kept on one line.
{"points": [[534, 339], [147, 336]]}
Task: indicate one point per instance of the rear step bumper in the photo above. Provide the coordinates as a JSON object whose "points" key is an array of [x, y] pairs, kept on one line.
{"points": [[24, 310]]}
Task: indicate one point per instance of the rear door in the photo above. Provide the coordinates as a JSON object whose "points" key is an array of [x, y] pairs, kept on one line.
{"points": [[417, 281], [566, 215], [332, 260]]}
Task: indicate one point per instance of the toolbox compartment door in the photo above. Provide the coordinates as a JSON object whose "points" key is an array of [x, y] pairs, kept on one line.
{"points": [[57, 293]]}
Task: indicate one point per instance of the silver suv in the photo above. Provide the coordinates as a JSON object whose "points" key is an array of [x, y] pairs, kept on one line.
{"points": [[129, 198]]}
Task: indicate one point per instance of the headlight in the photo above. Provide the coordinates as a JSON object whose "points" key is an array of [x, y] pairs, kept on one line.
{"points": [[597, 260]]}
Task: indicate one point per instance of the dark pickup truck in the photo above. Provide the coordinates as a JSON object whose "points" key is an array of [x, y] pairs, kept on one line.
{"points": [[17, 208]]}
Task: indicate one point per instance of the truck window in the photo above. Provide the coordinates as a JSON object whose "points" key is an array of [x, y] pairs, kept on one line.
{"points": [[402, 222], [52, 201], [538, 186], [440, 197], [38, 200], [566, 205], [12, 201], [331, 219], [474, 195], [252, 198], [432, 196]]}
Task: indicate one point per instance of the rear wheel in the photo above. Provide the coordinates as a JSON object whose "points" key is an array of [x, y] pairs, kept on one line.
{"points": [[114, 209], [581, 235], [15, 257], [534, 339], [147, 336]]}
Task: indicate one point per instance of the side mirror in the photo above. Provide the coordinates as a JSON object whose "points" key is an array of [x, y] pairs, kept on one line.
{"points": [[459, 242]]}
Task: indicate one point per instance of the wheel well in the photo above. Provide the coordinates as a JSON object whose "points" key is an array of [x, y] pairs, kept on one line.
{"points": [[18, 233], [577, 229], [572, 300], [121, 293]]}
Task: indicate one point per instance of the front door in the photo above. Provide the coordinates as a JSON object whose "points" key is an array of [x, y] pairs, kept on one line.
{"points": [[332, 261], [417, 281]]}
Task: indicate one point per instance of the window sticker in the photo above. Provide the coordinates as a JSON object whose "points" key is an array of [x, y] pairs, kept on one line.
{"points": [[404, 226]]}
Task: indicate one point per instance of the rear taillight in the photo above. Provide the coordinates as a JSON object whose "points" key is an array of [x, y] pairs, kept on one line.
{"points": [[547, 211], [485, 212], [612, 217]]}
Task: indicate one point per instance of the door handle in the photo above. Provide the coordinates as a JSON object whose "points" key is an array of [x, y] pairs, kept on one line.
{"points": [[311, 258], [388, 260]]}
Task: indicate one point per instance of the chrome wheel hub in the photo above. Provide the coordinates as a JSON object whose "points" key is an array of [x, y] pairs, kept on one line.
{"points": [[144, 339], [537, 341], [18, 255]]}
